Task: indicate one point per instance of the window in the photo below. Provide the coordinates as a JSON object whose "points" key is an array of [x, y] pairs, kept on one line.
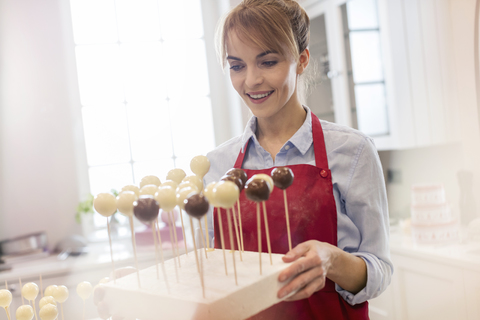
{"points": [[365, 67], [144, 88]]}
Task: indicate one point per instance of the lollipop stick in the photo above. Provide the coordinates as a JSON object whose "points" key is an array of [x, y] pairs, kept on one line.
{"points": [[201, 264], [288, 220], [183, 231], [174, 226], [8, 313], [161, 256], [134, 244], [231, 244], [156, 248], [83, 309], [240, 223], [6, 285], [171, 241], [203, 240], [222, 238], [236, 233], [207, 235], [20, 281], [41, 285], [34, 309], [111, 255], [259, 233], [61, 304], [266, 230], [194, 245]]}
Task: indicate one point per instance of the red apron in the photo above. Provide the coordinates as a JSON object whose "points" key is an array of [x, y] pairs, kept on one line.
{"points": [[313, 216]]}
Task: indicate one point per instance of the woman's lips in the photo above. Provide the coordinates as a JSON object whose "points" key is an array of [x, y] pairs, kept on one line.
{"points": [[251, 96]]}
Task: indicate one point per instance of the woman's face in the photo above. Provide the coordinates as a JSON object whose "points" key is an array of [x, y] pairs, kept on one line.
{"points": [[266, 81]]}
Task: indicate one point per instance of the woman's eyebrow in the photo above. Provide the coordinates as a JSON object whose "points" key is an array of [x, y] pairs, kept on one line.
{"points": [[258, 56], [233, 58]]}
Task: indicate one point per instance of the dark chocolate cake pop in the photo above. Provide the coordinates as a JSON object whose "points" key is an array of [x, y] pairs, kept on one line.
{"points": [[146, 209], [257, 190], [196, 205], [238, 173], [234, 179], [282, 177]]}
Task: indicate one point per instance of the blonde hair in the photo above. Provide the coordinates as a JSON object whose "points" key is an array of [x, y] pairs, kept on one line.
{"points": [[279, 25]]}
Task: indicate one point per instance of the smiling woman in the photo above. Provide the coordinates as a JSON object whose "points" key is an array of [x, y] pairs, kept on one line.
{"points": [[339, 228]]}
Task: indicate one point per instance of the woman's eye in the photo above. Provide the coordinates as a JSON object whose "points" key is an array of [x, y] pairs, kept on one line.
{"points": [[236, 68], [269, 63]]}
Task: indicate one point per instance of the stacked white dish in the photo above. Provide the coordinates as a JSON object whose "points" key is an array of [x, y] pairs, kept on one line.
{"points": [[432, 219]]}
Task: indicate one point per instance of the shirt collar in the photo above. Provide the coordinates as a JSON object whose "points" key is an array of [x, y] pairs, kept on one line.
{"points": [[302, 139]]}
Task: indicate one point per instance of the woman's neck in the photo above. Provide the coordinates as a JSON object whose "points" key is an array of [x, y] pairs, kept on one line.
{"points": [[273, 132]]}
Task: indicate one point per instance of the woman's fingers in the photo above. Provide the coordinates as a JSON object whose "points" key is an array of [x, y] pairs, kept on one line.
{"points": [[303, 283], [299, 266], [297, 252], [312, 287]]}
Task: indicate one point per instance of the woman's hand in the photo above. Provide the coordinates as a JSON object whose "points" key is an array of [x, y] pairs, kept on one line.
{"points": [[308, 274]]}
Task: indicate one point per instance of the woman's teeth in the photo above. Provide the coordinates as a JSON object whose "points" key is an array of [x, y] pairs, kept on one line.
{"points": [[260, 96]]}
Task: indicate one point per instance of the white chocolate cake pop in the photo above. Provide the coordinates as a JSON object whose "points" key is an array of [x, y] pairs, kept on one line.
{"points": [[200, 166], [225, 194], [268, 179], [46, 300], [125, 202], [185, 184], [166, 197], [105, 204], [30, 291], [170, 183], [183, 194], [24, 312], [5, 298], [84, 289], [176, 175], [60, 294], [208, 192], [49, 290], [133, 188], [148, 190], [196, 181], [48, 312], [150, 180]]}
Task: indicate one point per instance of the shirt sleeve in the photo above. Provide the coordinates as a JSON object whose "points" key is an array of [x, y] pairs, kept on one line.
{"points": [[365, 203]]}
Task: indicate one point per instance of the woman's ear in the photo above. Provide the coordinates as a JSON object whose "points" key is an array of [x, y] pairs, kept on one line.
{"points": [[303, 61]]}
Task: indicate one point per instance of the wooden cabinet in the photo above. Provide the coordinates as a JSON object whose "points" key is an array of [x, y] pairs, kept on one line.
{"points": [[416, 37]]}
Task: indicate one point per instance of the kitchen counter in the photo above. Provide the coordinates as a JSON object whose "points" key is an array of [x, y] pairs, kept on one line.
{"points": [[464, 253]]}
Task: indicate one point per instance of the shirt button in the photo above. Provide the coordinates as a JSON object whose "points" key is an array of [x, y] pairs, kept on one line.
{"points": [[287, 147], [323, 173]]}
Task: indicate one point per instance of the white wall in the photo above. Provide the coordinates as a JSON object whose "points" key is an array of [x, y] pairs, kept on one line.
{"points": [[39, 188]]}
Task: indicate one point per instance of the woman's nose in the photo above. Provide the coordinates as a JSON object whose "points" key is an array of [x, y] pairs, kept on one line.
{"points": [[254, 77]]}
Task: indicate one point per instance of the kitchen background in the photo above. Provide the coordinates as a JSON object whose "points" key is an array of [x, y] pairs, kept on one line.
{"points": [[428, 131]]}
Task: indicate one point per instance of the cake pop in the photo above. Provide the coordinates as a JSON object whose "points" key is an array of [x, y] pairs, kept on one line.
{"points": [[49, 312], [30, 292], [84, 290], [149, 180], [24, 312], [283, 178], [176, 175], [200, 166], [6, 301]]}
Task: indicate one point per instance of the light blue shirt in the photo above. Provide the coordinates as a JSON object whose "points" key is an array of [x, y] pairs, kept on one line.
{"points": [[358, 188]]}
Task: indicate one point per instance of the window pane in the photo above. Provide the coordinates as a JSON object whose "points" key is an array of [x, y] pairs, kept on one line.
{"points": [[371, 109], [366, 56], [362, 14], [144, 67], [138, 20], [99, 76], [181, 19], [106, 178], [157, 168], [192, 126], [106, 135], [150, 132], [94, 21], [187, 68]]}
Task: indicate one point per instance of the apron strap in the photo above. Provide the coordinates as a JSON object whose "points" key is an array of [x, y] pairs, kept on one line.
{"points": [[321, 160]]}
